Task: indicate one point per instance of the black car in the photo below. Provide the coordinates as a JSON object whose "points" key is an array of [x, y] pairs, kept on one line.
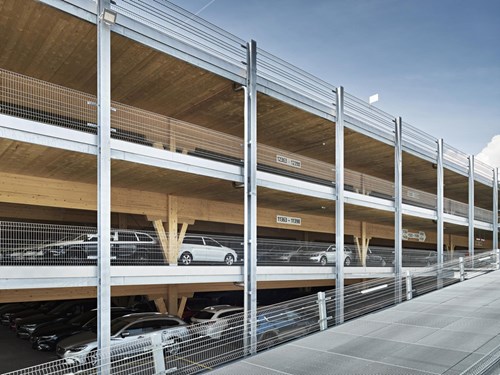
{"points": [[63, 312], [25, 310], [46, 336]]}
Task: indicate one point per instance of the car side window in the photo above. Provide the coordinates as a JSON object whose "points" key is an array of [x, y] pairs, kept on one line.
{"points": [[166, 323], [228, 313], [127, 236], [135, 329], [193, 240], [211, 242], [143, 237]]}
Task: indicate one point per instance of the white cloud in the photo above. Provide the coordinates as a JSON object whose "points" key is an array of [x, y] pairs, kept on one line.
{"points": [[491, 153]]}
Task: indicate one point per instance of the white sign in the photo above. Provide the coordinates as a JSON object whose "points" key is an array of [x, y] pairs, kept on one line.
{"points": [[280, 219], [419, 236], [291, 162], [373, 99]]}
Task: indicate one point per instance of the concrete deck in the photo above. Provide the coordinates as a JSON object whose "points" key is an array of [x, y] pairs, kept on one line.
{"points": [[444, 332]]}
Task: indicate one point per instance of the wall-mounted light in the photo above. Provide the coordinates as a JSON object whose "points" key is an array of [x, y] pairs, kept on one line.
{"points": [[238, 185], [434, 166], [109, 16]]}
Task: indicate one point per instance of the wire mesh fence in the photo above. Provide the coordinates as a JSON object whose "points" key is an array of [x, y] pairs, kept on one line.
{"points": [[36, 100], [218, 341]]}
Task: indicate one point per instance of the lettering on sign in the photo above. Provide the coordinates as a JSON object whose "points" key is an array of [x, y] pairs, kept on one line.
{"points": [[419, 236], [287, 161], [280, 219]]}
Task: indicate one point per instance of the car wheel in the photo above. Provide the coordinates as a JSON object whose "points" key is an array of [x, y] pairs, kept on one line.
{"points": [[269, 340], [229, 259], [383, 263], [174, 347], [323, 261], [186, 259], [347, 262], [92, 357]]}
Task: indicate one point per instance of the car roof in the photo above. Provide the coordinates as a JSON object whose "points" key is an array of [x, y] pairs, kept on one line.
{"points": [[145, 316], [217, 308]]}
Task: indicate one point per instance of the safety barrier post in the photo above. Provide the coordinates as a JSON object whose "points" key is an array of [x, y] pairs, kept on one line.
{"points": [[323, 319], [158, 356], [497, 252], [462, 268], [409, 286]]}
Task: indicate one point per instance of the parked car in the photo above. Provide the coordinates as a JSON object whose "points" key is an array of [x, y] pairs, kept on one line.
{"points": [[205, 249], [45, 337], [61, 313], [82, 347], [137, 247], [316, 254], [374, 260], [215, 320], [24, 312], [277, 325]]}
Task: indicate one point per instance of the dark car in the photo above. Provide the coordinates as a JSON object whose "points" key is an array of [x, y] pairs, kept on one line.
{"points": [[374, 257], [62, 313], [277, 325], [28, 310], [127, 247], [46, 336]]}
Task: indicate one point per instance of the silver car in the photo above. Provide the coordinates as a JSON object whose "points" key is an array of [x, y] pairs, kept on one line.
{"points": [[205, 249], [82, 347], [316, 254], [215, 320]]}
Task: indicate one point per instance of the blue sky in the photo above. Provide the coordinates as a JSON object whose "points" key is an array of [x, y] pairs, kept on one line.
{"points": [[436, 63]]}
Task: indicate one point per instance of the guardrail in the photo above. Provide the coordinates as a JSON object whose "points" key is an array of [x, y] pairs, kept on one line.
{"points": [[214, 343], [37, 100]]}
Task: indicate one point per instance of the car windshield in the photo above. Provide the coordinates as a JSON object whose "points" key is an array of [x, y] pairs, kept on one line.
{"points": [[117, 325], [83, 318], [203, 315]]}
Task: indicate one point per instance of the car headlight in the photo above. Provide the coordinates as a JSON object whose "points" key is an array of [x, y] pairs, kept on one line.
{"points": [[285, 256], [49, 337], [29, 327], [77, 348], [315, 255]]}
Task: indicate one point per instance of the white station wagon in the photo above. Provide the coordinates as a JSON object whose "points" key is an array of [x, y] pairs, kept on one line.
{"points": [[205, 249]]}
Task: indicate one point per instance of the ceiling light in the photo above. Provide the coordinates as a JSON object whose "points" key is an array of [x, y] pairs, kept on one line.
{"points": [[109, 16]]}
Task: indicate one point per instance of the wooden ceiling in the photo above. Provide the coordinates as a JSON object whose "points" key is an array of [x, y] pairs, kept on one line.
{"points": [[45, 43]]}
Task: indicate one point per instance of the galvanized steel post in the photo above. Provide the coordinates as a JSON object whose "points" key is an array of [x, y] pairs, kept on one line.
{"points": [[495, 210], [409, 286], [471, 205], [323, 318], [398, 209], [440, 212], [339, 207], [250, 182], [103, 186], [461, 268]]}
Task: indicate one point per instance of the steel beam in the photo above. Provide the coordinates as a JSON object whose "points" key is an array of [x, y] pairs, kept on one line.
{"points": [[398, 209], [495, 209], [471, 205], [440, 211], [103, 186], [339, 207], [250, 181]]}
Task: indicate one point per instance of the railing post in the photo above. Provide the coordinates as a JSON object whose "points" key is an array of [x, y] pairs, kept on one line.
{"points": [[495, 208], [462, 268], [250, 204], [323, 316], [409, 286], [398, 207], [103, 187], [339, 207], [158, 355], [440, 213], [471, 206], [497, 253]]}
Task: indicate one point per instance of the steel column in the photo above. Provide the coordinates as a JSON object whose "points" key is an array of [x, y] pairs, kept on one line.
{"points": [[471, 205], [398, 209], [495, 209], [339, 207], [250, 179], [440, 211], [103, 185]]}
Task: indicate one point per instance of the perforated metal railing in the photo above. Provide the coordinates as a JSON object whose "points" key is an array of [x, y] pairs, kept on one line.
{"points": [[217, 342]]}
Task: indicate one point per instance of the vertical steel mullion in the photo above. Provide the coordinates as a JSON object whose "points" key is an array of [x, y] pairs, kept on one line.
{"points": [[495, 209], [471, 205], [339, 207], [398, 209], [440, 212], [104, 186], [250, 182]]}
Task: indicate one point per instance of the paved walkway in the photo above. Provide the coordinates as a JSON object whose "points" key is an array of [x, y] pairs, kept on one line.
{"points": [[444, 332]]}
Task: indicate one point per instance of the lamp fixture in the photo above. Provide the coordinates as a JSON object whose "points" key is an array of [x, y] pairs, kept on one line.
{"points": [[109, 16]]}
